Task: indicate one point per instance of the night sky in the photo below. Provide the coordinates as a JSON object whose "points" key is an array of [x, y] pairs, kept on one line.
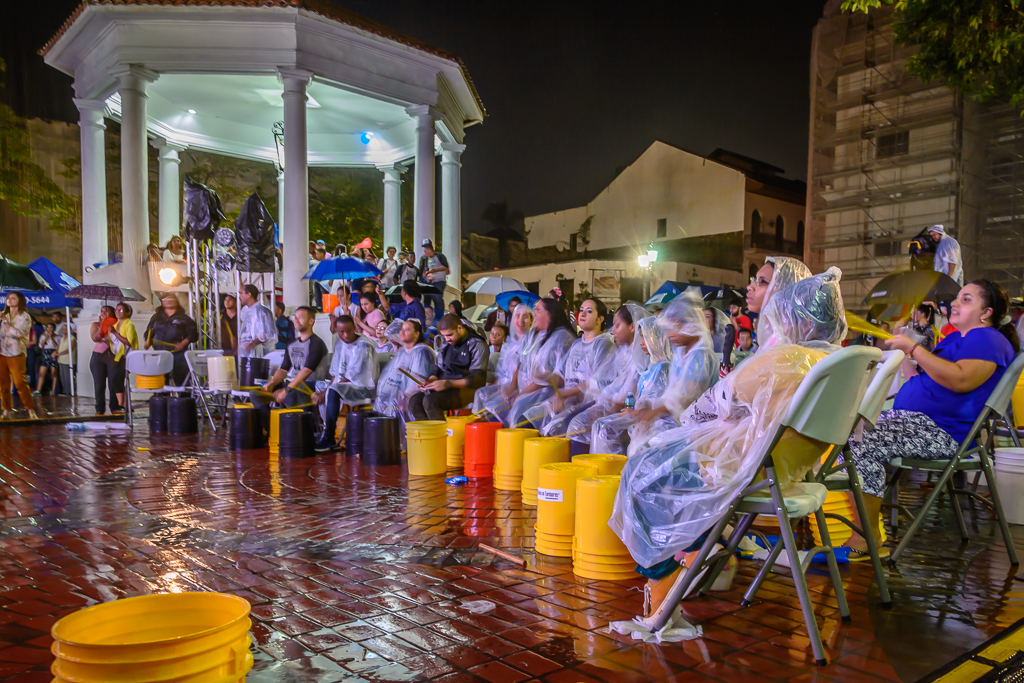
{"points": [[573, 90]]}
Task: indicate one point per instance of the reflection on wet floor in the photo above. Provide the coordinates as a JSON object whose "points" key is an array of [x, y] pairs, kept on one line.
{"points": [[361, 575]]}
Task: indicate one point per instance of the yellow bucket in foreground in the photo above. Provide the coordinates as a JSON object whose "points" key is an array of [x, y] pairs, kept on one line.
{"points": [[508, 457], [838, 503], [1017, 401], [426, 441], [456, 433], [541, 450], [556, 497], [186, 637], [606, 463]]}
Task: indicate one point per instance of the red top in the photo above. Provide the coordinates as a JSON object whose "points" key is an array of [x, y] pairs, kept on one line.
{"points": [[742, 323]]}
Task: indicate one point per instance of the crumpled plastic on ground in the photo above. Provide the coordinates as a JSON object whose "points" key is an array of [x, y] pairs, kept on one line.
{"points": [[478, 606], [675, 630]]}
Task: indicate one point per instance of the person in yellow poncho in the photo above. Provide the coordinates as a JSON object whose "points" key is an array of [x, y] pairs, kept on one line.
{"points": [[673, 492], [123, 338]]}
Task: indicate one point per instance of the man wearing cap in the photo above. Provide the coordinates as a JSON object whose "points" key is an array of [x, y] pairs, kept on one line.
{"points": [[948, 258], [434, 270]]}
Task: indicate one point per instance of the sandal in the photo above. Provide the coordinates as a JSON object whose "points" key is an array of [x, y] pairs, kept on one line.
{"points": [[864, 556]]}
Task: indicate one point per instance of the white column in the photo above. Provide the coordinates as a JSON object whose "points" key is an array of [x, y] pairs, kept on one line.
{"points": [[280, 203], [392, 206], [169, 190], [94, 182], [451, 210], [134, 171], [423, 213], [295, 234]]}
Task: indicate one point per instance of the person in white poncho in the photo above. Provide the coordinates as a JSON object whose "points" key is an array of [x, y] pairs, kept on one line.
{"points": [[494, 399], [257, 332], [553, 336], [581, 375], [777, 273], [651, 358], [413, 355], [353, 378], [673, 492], [693, 370], [612, 397]]}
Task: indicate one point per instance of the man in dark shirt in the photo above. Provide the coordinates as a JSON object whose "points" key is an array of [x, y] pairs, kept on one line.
{"points": [[293, 383], [170, 329], [285, 329], [461, 370], [411, 308]]}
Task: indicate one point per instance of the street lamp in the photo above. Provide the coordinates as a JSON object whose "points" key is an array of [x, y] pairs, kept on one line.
{"points": [[652, 253], [278, 130], [644, 260]]}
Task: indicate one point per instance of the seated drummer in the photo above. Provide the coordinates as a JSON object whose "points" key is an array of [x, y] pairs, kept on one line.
{"points": [[301, 359], [461, 370]]}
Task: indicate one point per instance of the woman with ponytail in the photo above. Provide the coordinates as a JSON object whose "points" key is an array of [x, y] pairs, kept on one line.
{"points": [[935, 409]]}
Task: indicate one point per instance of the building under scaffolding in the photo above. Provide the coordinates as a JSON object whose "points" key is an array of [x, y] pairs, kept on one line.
{"points": [[890, 155]]}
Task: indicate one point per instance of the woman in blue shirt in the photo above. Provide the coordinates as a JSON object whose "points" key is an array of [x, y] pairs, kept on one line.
{"points": [[934, 411]]}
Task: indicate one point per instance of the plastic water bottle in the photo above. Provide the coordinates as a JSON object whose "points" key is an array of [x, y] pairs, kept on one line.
{"points": [[630, 401]]}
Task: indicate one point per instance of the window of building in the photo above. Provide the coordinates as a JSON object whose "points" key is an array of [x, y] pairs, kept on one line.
{"points": [[662, 227], [887, 249], [568, 288], [892, 145], [533, 287], [574, 242], [755, 224], [752, 272], [780, 232], [800, 232]]}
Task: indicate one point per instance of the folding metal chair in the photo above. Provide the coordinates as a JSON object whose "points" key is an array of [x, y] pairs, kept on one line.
{"points": [[198, 377], [844, 477], [973, 455], [824, 409], [147, 364]]}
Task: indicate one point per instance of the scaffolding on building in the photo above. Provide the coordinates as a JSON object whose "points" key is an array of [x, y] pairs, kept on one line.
{"points": [[891, 155]]}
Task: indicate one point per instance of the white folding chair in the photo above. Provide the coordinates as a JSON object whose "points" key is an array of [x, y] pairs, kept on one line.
{"points": [[197, 381], [844, 478], [147, 364], [824, 409], [973, 455]]}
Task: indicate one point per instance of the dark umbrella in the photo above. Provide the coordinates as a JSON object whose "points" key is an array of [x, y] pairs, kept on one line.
{"points": [[723, 296], [104, 291], [394, 294], [17, 276], [913, 287]]}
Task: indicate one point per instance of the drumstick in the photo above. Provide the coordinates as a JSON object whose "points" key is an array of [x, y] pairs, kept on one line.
{"points": [[503, 555], [859, 324], [409, 375]]}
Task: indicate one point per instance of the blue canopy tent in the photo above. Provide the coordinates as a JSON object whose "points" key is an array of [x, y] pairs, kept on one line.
{"points": [[59, 282], [672, 288]]}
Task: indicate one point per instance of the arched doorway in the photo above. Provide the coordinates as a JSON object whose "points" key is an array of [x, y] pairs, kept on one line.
{"points": [[755, 227], [780, 234], [800, 234]]}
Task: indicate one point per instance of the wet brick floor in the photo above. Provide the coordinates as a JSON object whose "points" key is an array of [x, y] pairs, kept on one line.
{"points": [[358, 575]]}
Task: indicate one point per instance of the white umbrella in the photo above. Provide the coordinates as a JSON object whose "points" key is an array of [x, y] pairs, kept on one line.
{"points": [[495, 284], [475, 314]]}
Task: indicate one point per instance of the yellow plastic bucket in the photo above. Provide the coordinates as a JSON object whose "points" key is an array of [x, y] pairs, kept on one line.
{"points": [[151, 382], [1017, 401], [541, 450], [595, 499], [186, 637], [427, 446], [508, 457], [838, 503], [275, 426], [556, 496], [456, 433], [606, 463]]}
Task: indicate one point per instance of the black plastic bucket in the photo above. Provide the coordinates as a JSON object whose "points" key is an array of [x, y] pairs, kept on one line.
{"points": [[246, 428], [158, 414], [380, 441], [296, 437], [253, 372], [181, 415]]}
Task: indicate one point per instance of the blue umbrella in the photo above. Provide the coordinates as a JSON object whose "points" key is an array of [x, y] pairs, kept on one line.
{"points": [[341, 268], [528, 298]]}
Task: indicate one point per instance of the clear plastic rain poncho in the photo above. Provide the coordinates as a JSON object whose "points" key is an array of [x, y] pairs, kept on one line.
{"points": [[357, 363], [589, 367], [608, 434], [787, 271], [494, 399], [628, 367], [682, 484], [540, 359], [256, 323], [395, 389]]}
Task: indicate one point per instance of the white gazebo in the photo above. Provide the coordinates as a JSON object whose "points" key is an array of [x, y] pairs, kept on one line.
{"points": [[216, 75]]}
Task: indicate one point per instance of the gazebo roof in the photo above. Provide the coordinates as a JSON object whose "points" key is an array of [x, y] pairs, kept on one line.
{"points": [[216, 88]]}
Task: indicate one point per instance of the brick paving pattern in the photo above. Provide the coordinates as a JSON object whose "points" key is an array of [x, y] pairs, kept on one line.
{"points": [[356, 574]]}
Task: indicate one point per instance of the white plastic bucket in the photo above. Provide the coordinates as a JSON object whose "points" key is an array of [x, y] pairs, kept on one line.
{"points": [[1009, 472]]}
